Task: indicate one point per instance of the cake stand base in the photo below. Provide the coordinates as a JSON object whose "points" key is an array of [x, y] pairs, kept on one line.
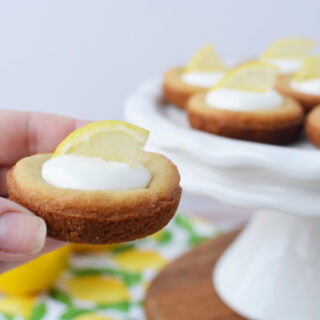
{"points": [[183, 290], [271, 271]]}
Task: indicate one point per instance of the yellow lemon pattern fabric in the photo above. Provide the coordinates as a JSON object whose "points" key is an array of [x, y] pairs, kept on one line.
{"points": [[37, 275], [98, 289], [135, 260], [17, 306], [100, 282], [91, 316]]}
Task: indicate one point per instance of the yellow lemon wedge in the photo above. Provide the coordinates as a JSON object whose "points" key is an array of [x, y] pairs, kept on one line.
{"points": [[37, 275], [251, 76], [135, 260], [206, 59], [98, 289], [309, 70], [110, 140], [294, 48], [17, 306]]}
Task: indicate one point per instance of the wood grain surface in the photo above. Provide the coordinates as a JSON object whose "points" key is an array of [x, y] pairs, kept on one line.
{"points": [[184, 289]]}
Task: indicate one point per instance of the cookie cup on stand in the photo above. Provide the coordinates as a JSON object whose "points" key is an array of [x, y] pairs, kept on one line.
{"points": [[204, 70], [279, 125], [313, 126], [176, 91], [308, 101]]}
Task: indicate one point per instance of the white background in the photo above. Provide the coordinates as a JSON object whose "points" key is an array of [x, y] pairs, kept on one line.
{"points": [[83, 57]]}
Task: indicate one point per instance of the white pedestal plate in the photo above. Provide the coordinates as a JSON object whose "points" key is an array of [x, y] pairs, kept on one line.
{"points": [[272, 270]]}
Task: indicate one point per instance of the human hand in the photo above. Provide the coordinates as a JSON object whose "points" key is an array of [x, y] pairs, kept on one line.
{"points": [[22, 234]]}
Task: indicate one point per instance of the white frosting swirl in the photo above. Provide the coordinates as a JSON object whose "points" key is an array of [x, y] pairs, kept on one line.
{"points": [[286, 65], [240, 100], [311, 86], [202, 78], [84, 173]]}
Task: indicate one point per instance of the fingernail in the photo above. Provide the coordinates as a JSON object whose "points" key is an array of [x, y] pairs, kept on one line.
{"points": [[22, 233]]}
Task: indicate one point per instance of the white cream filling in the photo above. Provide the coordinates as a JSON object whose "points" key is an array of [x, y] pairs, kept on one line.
{"points": [[84, 173], [311, 86], [240, 100], [202, 78], [286, 66]]}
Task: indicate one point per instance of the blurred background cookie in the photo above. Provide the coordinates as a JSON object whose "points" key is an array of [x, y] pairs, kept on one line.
{"points": [[304, 85], [288, 54], [313, 126], [204, 70], [245, 106]]}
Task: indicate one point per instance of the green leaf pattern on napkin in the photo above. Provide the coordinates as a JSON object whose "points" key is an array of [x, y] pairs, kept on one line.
{"points": [[111, 285]]}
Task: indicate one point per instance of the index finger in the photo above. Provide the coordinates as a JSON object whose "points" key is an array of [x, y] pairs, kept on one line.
{"points": [[25, 133]]}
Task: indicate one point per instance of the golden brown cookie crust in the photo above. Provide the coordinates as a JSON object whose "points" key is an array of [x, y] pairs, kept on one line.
{"points": [[277, 126], [176, 91], [308, 101], [98, 217], [313, 126]]}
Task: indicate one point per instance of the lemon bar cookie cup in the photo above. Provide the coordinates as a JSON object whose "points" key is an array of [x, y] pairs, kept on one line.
{"points": [[204, 70], [278, 126], [288, 54], [313, 126], [87, 194], [245, 106], [304, 85], [308, 101]]}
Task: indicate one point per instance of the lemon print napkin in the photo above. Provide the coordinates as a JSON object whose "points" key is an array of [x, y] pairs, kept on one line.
{"points": [[109, 282]]}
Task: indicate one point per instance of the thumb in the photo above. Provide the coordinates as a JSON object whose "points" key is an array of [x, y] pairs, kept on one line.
{"points": [[21, 233]]}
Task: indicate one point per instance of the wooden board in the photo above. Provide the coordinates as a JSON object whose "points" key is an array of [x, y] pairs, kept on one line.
{"points": [[184, 289]]}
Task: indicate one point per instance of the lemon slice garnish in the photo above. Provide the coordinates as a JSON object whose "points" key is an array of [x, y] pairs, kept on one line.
{"points": [[309, 70], [291, 48], [110, 140], [206, 59], [251, 76]]}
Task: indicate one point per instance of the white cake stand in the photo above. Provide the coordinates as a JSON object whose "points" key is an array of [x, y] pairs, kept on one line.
{"points": [[272, 270]]}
